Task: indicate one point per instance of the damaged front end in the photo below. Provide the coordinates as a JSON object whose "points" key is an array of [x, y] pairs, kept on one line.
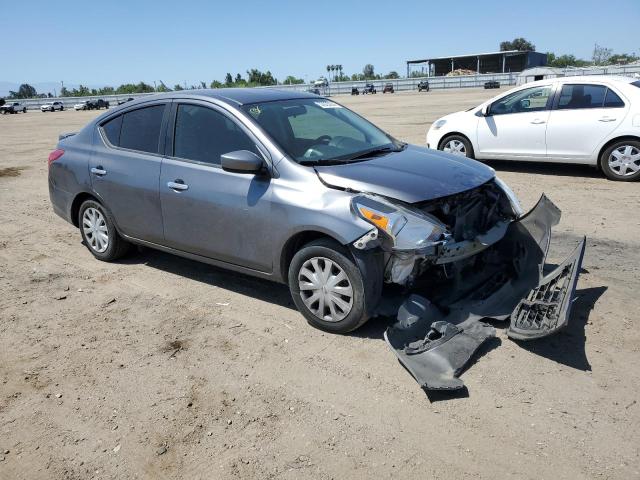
{"points": [[462, 259]]}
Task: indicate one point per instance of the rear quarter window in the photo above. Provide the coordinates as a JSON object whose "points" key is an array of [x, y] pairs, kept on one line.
{"points": [[111, 130]]}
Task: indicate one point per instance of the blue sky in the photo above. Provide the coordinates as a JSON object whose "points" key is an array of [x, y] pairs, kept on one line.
{"points": [[112, 42]]}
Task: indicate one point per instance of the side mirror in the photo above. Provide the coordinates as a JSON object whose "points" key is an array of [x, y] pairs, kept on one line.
{"points": [[486, 110], [241, 161]]}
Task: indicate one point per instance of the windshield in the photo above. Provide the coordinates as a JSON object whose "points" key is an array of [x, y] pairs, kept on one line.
{"points": [[320, 131]]}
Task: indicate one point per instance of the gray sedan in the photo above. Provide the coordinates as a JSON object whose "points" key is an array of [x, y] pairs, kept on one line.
{"points": [[295, 188]]}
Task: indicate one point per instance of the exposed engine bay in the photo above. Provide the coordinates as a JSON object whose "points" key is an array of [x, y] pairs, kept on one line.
{"points": [[475, 257]]}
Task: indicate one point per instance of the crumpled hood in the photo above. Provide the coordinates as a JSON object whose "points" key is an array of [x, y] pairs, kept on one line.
{"points": [[413, 175]]}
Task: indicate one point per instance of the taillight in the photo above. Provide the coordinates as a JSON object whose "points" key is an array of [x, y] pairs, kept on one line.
{"points": [[55, 155]]}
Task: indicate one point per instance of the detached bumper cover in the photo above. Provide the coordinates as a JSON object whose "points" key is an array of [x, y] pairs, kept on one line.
{"points": [[436, 342]]}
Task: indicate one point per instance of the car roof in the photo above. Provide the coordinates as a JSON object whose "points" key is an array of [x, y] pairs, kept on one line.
{"points": [[236, 96], [583, 79]]}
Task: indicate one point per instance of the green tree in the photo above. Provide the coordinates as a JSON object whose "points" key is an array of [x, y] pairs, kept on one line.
{"points": [[228, 80], [177, 87], [623, 58], [563, 61], [392, 74], [2, 102], [162, 87], [258, 78], [368, 71], [291, 80], [521, 44], [239, 80], [64, 92], [216, 84], [24, 91]]}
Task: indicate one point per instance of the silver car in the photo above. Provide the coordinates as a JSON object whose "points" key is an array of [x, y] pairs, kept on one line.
{"points": [[296, 188]]}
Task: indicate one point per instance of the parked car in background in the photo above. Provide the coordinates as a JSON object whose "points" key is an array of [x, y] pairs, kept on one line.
{"points": [[354, 90], [314, 90], [369, 88], [52, 107], [592, 120], [388, 88], [423, 86], [491, 84], [83, 105], [98, 104], [303, 191], [14, 107]]}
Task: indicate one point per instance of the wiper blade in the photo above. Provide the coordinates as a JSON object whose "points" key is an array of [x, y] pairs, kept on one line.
{"points": [[376, 151]]}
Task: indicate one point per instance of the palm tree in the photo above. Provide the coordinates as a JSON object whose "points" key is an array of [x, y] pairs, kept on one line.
{"points": [[328, 70], [339, 67]]}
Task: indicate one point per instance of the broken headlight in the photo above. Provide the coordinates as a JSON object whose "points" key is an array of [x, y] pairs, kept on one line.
{"points": [[405, 228], [513, 200]]}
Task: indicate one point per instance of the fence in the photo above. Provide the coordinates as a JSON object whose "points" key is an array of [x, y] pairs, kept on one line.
{"points": [[400, 84]]}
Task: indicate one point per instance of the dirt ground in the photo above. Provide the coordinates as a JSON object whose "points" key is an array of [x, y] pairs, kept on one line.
{"points": [[159, 367]]}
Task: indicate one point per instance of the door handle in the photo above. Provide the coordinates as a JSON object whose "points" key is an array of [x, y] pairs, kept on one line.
{"points": [[177, 185], [99, 171], [538, 122], [607, 119]]}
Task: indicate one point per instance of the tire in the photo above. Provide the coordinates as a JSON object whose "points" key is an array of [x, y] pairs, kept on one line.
{"points": [[455, 140], [340, 261], [24, 110], [620, 159], [62, 108], [116, 247], [53, 109]]}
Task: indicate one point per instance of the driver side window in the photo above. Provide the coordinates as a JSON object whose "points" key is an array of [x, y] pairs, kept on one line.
{"points": [[527, 100]]}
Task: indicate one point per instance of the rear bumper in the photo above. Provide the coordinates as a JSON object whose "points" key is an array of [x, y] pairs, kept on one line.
{"points": [[61, 201]]}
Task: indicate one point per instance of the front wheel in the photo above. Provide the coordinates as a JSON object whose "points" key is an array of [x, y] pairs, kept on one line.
{"points": [[24, 110], [99, 233], [457, 145], [327, 287], [621, 161]]}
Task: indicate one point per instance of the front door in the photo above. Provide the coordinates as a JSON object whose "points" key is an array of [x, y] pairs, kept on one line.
{"points": [[515, 126], [583, 116], [207, 210]]}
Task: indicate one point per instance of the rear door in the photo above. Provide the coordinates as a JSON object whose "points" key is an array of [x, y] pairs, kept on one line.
{"points": [[207, 210], [582, 116], [125, 169], [516, 125]]}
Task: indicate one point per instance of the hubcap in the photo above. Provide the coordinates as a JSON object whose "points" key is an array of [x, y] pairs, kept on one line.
{"points": [[95, 229], [325, 289], [456, 147], [625, 160]]}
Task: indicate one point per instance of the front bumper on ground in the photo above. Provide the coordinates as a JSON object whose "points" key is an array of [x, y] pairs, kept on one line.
{"points": [[435, 342]]}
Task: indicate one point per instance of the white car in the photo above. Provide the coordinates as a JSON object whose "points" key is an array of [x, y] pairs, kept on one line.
{"points": [[84, 105], [52, 107], [588, 120]]}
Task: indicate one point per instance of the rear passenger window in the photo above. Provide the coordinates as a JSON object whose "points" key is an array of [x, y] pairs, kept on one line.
{"points": [[203, 134], [581, 96], [611, 100], [140, 129], [112, 130]]}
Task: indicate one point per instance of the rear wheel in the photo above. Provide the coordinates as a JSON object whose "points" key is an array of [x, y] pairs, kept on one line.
{"points": [[457, 145], [621, 161], [24, 110], [327, 287], [99, 233]]}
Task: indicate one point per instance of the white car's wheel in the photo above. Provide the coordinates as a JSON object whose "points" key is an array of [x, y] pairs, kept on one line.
{"points": [[621, 161], [457, 145]]}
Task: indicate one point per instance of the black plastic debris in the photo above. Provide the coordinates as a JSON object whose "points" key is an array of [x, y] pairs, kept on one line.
{"points": [[434, 352], [435, 342]]}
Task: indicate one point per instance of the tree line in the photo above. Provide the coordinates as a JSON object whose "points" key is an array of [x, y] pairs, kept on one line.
{"points": [[601, 56]]}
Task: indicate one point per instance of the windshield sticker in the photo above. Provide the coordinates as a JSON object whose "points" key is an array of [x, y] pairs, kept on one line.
{"points": [[328, 105], [255, 110]]}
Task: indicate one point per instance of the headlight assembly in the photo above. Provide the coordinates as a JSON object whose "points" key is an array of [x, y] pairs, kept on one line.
{"points": [[439, 124], [515, 203], [405, 228]]}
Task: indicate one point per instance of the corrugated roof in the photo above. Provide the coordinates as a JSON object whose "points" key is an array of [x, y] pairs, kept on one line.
{"points": [[511, 52]]}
